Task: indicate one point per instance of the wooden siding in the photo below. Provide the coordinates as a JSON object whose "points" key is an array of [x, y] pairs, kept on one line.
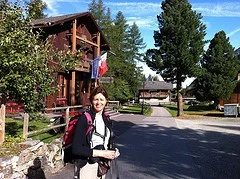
{"points": [[235, 97], [74, 86]]}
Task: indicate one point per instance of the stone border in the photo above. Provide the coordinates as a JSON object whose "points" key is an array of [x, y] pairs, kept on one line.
{"points": [[16, 167]]}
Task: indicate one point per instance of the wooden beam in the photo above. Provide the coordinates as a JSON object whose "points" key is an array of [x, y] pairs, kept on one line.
{"points": [[85, 40], [25, 125], [2, 123], [65, 88], [98, 44], [72, 90], [74, 36], [82, 69], [67, 118]]}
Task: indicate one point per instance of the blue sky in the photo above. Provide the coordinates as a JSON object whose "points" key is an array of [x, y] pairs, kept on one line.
{"points": [[217, 15]]}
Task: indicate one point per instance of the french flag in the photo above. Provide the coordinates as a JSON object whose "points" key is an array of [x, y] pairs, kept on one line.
{"points": [[99, 66], [102, 66]]}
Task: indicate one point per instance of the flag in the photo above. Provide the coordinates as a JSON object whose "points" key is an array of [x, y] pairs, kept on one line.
{"points": [[95, 67], [102, 65]]}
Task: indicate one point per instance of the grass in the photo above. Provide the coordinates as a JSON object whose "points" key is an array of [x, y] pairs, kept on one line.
{"points": [[14, 128], [200, 110], [14, 132], [136, 109]]}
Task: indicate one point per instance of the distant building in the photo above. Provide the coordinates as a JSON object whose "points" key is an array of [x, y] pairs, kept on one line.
{"points": [[155, 92], [235, 97]]}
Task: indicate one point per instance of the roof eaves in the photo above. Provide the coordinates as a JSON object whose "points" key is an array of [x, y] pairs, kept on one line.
{"points": [[52, 21]]}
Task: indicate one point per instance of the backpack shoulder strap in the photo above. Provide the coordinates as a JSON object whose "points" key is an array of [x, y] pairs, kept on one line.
{"points": [[89, 122], [107, 115]]}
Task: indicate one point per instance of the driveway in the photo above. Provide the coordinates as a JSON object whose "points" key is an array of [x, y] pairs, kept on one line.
{"points": [[160, 146], [214, 144]]}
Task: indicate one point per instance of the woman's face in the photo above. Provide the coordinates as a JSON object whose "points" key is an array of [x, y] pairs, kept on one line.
{"points": [[99, 102]]}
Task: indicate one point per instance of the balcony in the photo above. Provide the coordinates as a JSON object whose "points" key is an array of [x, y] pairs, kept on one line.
{"points": [[84, 65]]}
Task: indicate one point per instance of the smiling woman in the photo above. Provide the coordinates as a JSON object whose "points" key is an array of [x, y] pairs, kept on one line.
{"points": [[99, 99], [96, 147]]}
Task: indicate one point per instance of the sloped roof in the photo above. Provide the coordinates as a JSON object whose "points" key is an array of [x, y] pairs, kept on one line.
{"points": [[85, 17], [51, 21], [157, 85]]}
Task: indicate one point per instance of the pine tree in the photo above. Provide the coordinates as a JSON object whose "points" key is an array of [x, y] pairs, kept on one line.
{"points": [[180, 42], [219, 70], [126, 74], [35, 9], [98, 11], [135, 44]]}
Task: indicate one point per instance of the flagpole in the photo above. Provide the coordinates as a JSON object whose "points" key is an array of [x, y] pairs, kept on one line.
{"points": [[98, 53]]}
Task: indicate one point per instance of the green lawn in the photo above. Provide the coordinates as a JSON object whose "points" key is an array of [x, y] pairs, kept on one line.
{"points": [[14, 133], [14, 128], [136, 109], [203, 110]]}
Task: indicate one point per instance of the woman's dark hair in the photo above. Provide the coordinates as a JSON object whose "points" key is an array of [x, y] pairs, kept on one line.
{"points": [[96, 91]]}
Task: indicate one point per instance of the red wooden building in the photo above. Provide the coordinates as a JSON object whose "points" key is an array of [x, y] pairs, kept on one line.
{"points": [[235, 97], [73, 32]]}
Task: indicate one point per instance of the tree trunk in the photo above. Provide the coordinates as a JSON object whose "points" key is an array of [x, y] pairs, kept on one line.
{"points": [[216, 104], [179, 99]]}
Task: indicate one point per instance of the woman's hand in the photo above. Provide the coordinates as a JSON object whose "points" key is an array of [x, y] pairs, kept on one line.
{"points": [[109, 154], [117, 153]]}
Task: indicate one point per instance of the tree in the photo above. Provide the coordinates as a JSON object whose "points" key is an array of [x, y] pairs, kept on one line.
{"points": [[118, 33], [219, 70], [35, 9], [180, 41], [98, 11], [135, 44], [24, 74], [119, 65]]}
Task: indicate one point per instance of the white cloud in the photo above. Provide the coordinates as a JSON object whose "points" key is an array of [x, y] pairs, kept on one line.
{"points": [[144, 14], [137, 8], [233, 32], [223, 9], [53, 6], [149, 22], [207, 9]]}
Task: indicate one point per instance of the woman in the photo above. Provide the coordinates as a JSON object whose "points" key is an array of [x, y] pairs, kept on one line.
{"points": [[89, 149]]}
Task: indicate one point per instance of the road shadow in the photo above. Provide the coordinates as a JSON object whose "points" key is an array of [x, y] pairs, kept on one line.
{"points": [[169, 152], [154, 151]]}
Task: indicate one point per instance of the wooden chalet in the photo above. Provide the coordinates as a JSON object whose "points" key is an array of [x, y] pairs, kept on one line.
{"points": [[73, 32], [155, 92]]}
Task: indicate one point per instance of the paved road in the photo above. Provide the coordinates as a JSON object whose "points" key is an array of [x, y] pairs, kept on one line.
{"points": [[160, 146], [154, 148]]}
